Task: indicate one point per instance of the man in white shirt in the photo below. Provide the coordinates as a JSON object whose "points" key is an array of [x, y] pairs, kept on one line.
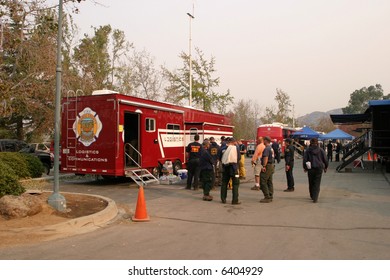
{"points": [[230, 158]]}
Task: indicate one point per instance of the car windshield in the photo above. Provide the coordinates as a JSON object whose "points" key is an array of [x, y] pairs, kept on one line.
{"points": [[27, 149]]}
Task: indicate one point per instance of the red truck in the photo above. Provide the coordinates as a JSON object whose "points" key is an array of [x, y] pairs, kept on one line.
{"points": [[112, 134], [276, 131]]}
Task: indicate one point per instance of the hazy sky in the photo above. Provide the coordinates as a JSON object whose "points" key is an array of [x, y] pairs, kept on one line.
{"points": [[318, 51]]}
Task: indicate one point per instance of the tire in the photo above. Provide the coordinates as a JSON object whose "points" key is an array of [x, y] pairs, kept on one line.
{"points": [[177, 166], [46, 168], [156, 171]]}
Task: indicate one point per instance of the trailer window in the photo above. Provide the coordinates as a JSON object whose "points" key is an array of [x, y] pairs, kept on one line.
{"points": [[173, 128], [193, 132], [150, 125]]}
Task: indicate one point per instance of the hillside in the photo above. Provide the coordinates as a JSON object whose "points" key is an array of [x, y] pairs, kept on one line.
{"points": [[313, 118]]}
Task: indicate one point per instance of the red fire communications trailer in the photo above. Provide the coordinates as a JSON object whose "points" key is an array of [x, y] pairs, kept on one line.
{"points": [[112, 134], [276, 131]]}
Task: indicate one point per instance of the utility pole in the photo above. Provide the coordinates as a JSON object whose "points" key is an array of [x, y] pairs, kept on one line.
{"points": [[191, 17], [56, 200], [293, 115]]}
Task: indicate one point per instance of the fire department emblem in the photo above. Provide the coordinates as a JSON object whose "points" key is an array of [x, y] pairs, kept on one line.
{"points": [[87, 126]]}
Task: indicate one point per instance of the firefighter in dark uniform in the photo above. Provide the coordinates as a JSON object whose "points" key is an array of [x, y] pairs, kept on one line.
{"points": [[267, 171], [214, 148], [289, 164], [193, 153]]}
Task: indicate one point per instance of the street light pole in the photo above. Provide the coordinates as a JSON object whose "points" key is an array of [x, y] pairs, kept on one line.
{"points": [[56, 200], [191, 17], [293, 115]]}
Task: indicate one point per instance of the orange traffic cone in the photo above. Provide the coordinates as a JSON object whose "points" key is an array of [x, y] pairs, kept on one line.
{"points": [[140, 212], [375, 157], [369, 156]]}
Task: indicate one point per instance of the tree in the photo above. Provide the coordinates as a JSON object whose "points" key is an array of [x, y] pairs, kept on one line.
{"points": [[203, 84], [146, 80], [324, 124], [284, 103], [281, 113], [99, 59], [245, 117], [93, 59], [358, 101], [120, 48], [27, 66], [269, 115]]}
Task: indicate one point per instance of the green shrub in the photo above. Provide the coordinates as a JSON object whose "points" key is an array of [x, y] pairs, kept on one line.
{"points": [[34, 165], [9, 184], [17, 163]]}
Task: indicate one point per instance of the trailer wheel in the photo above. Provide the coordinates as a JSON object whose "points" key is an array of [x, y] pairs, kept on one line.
{"points": [[156, 171], [46, 168], [177, 166]]}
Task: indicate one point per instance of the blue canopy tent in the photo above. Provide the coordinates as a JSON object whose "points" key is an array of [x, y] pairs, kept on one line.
{"points": [[337, 134], [305, 133]]}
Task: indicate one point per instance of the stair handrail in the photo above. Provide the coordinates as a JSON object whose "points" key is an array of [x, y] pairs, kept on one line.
{"points": [[129, 157], [300, 148], [357, 142]]}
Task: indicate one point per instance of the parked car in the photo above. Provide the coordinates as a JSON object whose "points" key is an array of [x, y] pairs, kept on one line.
{"points": [[14, 145], [46, 158], [11, 145], [43, 147], [250, 149]]}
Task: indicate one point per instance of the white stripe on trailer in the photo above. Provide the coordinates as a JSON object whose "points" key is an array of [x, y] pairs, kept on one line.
{"points": [[160, 143], [150, 106]]}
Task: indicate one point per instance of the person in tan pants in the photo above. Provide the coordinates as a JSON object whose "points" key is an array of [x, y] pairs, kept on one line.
{"points": [[256, 162]]}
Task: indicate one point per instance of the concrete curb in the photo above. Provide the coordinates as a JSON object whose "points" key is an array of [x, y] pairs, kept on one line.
{"points": [[74, 226]]}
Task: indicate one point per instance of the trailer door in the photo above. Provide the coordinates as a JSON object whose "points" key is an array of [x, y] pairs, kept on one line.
{"points": [[132, 139]]}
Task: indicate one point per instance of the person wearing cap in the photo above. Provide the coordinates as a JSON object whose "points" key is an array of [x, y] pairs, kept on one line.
{"points": [[256, 162], [314, 163], [268, 168], [193, 152], [230, 158], [289, 164], [206, 170]]}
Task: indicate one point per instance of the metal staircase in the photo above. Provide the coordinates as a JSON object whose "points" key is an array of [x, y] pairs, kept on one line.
{"points": [[353, 151], [140, 176], [298, 148]]}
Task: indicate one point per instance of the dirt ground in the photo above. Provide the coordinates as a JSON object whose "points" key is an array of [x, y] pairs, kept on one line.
{"points": [[77, 206]]}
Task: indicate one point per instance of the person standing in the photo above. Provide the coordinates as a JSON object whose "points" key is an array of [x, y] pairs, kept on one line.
{"points": [[268, 168], [338, 150], [289, 154], [230, 158], [314, 163], [329, 149], [193, 152], [242, 171], [214, 149], [276, 147], [256, 162], [206, 164], [222, 148]]}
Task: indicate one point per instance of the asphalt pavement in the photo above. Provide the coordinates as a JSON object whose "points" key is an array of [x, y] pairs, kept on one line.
{"points": [[350, 221]]}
